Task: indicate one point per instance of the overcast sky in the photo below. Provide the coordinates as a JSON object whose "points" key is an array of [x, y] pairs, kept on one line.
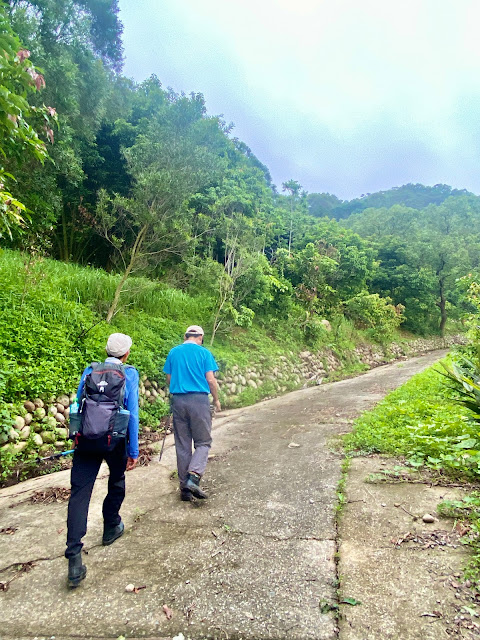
{"points": [[345, 96]]}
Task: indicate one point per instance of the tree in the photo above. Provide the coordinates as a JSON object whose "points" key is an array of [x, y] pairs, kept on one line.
{"points": [[294, 189], [322, 204], [168, 166], [78, 45], [443, 245], [19, 121]]}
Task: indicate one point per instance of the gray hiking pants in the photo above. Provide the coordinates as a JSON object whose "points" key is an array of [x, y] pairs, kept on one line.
{"points": [[192, 423]]}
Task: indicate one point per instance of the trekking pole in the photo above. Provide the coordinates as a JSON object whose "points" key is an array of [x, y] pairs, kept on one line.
{"points": [[168, 427], [55, 455]]}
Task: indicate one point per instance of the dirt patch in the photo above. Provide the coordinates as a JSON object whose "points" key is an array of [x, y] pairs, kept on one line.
{"points": [[406, 572]]}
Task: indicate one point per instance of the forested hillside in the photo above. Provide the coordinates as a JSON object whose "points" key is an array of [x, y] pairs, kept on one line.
{"points": [[416, 196], [177, 221]]}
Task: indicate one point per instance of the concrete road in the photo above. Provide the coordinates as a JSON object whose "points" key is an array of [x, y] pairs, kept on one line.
{"points": [[254, 561]]}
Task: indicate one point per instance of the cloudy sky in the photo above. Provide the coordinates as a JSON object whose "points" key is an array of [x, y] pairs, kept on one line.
{"points": [[345, 96]]}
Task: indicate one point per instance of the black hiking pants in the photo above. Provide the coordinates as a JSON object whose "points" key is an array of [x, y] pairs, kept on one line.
{"points": [[86, 465]]}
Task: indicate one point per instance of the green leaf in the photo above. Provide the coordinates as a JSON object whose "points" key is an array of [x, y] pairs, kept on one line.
{"points": [[470, 443], [327, 607], [351, 601]]}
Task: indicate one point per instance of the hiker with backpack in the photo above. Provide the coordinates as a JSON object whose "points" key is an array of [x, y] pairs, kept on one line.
{"points": [[190, 369], [105, 427]]}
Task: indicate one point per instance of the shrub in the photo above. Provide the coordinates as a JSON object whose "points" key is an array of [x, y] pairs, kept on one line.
{"points": [[371, 311]]}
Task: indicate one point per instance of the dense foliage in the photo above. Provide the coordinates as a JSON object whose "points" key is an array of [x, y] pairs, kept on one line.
{"points": [[142, 181]]}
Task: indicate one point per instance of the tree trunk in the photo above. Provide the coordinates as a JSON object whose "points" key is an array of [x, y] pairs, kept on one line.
{"points": [[443, 313], [131, 264]]}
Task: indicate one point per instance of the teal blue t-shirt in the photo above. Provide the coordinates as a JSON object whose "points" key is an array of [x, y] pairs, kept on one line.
{"points": [[187, 364]]}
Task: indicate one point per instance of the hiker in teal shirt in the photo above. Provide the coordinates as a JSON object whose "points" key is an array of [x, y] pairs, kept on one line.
{"points": [[190, 371]]}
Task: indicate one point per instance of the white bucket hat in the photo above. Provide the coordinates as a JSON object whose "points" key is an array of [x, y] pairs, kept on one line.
{"points": [[118, 344]]}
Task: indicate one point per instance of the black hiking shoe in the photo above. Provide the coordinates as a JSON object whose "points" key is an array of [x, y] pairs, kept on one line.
{"points": [[110, 534], [76, 571], [193, 484], [186, 495]]}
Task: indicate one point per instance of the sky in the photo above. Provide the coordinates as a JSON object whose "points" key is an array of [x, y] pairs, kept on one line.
{"points": [[346, 96]]}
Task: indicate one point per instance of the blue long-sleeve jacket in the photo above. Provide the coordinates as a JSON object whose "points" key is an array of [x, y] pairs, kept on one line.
{"points": [[130, 402]]}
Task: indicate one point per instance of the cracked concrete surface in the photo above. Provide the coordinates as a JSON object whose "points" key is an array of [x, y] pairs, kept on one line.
{"points": [[253, 561]]}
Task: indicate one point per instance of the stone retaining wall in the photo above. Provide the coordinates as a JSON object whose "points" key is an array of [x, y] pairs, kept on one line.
{"points": [[42, 426], [294, 371]]}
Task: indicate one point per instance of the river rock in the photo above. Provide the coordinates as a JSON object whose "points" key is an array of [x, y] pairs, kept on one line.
{"points": [[18, 447], [29, 406], [13, 435], [28, 418], [38, 402], [63, 399], [39, 413], [326, 324], [37, 440], [59, 417], [25, 433], [19, 422], [48, 437]]}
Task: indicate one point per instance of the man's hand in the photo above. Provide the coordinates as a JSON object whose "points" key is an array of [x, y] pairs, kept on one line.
{"points": [[131, 463], [217, 406]]}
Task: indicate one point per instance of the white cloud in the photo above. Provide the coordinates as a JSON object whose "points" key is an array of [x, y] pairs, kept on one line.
{"points": [[331, 72]]}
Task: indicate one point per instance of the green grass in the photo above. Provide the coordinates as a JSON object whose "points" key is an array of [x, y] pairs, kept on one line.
{"points": [[423, 422]]}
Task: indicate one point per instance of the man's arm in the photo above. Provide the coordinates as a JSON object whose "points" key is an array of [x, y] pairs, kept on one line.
{"points": [[82, 382], [212, 383], [169, 377], [131, 403]]}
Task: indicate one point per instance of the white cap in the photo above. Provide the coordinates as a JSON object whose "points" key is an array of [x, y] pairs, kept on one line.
{"points": [[118, 344], [194, 328]]}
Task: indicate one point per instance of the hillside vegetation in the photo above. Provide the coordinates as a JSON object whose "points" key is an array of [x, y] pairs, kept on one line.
{"points": [[52, 324], [128, 207]]}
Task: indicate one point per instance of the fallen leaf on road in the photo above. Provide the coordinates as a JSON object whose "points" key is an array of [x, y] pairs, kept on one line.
{"points": [[8, 530], [167, 611], [137, 589], [293, 445]]}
